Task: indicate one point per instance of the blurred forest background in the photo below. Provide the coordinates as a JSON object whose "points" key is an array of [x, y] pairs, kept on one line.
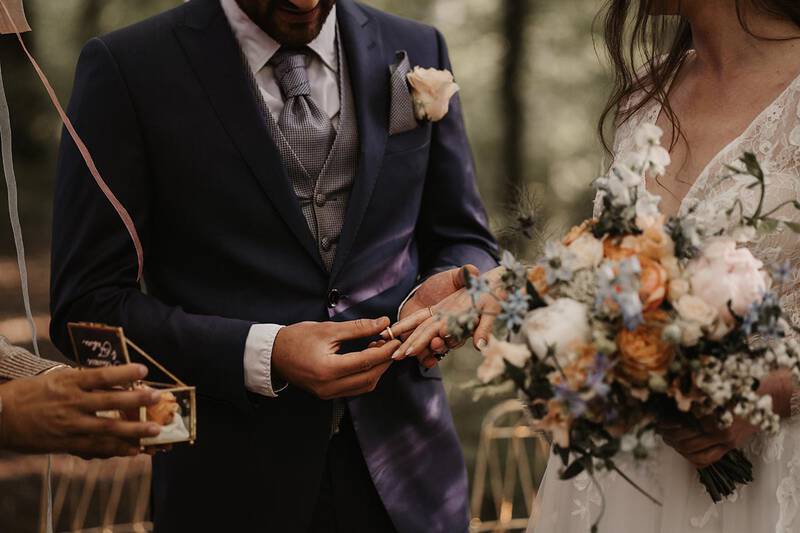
{"points": [[532, 86]]}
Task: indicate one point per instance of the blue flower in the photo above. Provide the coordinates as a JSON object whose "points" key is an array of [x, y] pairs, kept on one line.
{"points": [[596, 379], [477, 287], [764, 318], [571, 399], [623, 289], [513, 310], [558, 263], [782, 272]]}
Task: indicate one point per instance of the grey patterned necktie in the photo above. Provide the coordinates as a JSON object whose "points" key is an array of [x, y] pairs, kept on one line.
{"points": [[307, 129]]}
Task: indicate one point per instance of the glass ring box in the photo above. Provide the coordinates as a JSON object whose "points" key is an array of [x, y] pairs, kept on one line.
{"points": [[98, 345]]}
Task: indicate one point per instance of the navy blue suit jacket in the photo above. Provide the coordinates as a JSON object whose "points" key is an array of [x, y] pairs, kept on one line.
{"points": [[167, 110]]}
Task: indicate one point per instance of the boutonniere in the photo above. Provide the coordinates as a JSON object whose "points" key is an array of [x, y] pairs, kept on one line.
{"points": [[431, 92]]}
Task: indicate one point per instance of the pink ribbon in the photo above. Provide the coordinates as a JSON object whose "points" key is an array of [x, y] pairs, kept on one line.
{"points": [[87, 157]]}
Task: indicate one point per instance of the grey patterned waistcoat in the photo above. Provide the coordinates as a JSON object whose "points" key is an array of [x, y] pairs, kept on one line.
{"points": [[324, 199]]}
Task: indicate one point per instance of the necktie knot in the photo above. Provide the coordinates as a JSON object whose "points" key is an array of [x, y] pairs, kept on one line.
{"points": [[289, 65]]}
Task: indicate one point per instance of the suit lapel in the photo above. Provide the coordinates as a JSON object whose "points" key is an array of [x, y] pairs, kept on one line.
{"points": [[213, 53], [369, 77]]}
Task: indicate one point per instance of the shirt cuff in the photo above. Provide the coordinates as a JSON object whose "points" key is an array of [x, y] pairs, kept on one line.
{"points": [[402, 305], [258, 360]]}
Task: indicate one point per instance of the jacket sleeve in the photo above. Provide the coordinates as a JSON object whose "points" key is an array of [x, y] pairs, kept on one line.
{"points": [[17, 362], [94, 265], [453, 228]]}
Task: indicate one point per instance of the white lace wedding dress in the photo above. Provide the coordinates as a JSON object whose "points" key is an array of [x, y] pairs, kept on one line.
{"points": [[772, 502]]}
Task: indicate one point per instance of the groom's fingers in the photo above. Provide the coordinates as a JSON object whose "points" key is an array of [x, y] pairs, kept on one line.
{"points": [[360, 329], [358, 384], [360, 362]]}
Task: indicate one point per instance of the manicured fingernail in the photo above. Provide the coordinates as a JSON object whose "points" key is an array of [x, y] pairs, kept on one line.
{"points": [[409, 352], [397, 355], [481, 344]]}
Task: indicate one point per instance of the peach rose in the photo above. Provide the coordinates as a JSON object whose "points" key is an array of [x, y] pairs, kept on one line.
{"points": [[577, 371], [162, 412], [643, 352], [556, 422], [538, 279], [616, 251], [431, 90], [653, 284], [578, 231]]}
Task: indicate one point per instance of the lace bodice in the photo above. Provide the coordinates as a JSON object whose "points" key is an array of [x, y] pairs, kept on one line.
{"points": [[774, 137]]}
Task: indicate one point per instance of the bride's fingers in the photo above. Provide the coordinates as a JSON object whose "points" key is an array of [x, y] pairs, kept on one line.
{"points": [[419, 341], [429, 362], [427, 334], [407, 325], [483, 332]]}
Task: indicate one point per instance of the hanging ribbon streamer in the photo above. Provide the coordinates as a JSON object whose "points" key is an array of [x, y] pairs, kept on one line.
{"points": [[13, 208], [87, 157]]}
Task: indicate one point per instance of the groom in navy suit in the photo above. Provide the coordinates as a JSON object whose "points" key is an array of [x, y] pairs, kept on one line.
{"points": [[287, 198]]}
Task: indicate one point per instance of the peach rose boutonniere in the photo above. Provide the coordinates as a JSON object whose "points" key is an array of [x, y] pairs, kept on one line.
{"points": [[431, 92]]}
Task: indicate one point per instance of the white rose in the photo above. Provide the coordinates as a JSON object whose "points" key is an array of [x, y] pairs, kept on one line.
{"points": [[691, 333], [693, 309], [678, 288], [588, 251], [726, 275], [561, 325], [496, 354], [431, 90]]}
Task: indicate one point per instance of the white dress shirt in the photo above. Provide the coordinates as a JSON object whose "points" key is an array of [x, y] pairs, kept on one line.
{"points": [[323, 75]]}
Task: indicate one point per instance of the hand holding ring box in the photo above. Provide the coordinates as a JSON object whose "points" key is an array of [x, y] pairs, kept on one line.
{"points": [[97, 345]]}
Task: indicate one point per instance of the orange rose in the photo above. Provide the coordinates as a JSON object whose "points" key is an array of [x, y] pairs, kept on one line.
{"points": [[615, 251], [577, 231], [643, 352], [538, 279], [653, 242], [653, 284]]}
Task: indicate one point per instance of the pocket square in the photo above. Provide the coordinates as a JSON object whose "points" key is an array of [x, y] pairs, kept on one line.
{"points": [[401, 117]]}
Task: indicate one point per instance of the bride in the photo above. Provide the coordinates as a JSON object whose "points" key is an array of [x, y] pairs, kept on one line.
{"points": [[728, 84], [721, 77]]}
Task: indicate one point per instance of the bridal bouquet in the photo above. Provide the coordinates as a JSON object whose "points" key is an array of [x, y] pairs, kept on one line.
{"points": [[633, 318]]}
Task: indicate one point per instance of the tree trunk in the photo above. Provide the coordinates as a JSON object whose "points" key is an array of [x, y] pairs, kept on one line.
{"points": [[515, 21]]}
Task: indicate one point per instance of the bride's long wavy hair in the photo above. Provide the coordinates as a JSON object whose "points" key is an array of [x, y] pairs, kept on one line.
{"points": [[632, 33]]}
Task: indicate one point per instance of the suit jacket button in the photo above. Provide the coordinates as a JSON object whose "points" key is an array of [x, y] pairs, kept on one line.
{"points": [[334, 297], [326, 243]]}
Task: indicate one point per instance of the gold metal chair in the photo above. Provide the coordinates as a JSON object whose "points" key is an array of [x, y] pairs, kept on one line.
{"points": [[510, 458]]}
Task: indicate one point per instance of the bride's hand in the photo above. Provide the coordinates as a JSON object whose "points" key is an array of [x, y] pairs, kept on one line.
{"points": [[706, 445], [429, 326]]}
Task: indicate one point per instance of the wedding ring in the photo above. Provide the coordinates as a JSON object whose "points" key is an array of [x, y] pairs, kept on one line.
{"points": [[430, 311], [390, 332]]}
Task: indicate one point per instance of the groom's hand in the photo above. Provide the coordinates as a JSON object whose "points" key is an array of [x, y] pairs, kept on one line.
{"points": [[305, 355]]}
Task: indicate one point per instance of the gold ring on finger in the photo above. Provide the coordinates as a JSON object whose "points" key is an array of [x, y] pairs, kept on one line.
{"points": [[390, 332]]}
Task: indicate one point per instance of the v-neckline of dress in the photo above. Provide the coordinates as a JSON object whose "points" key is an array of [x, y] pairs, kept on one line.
{"points": [[655, 113]]}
